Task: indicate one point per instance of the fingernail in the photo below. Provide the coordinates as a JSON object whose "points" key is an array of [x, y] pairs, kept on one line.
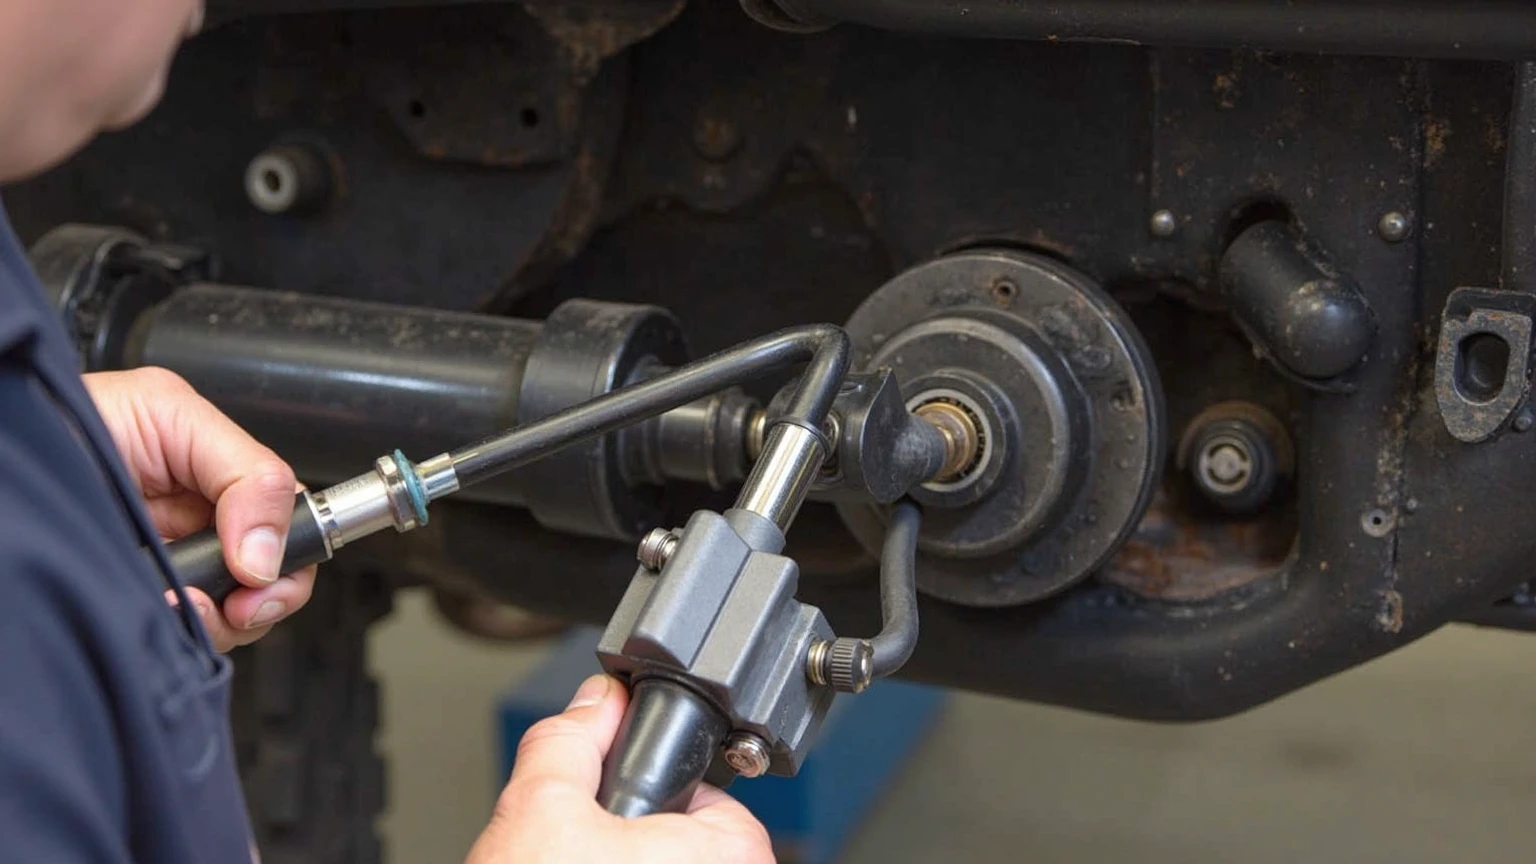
{"points": [[266, 613], [261, 553], [592, 691], [202, 608]]}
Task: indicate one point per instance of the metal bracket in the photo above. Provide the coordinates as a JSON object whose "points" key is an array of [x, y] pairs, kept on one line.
{"points": [[1483, 360]]}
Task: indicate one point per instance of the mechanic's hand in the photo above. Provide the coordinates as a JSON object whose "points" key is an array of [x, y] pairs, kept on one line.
{"points": [[194, 467], [548, 813]]}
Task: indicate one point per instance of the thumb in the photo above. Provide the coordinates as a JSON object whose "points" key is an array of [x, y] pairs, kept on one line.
{"points": [[568, 748]]}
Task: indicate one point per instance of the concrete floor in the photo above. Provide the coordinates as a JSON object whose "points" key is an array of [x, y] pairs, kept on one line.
{"points": [[1419, 757]]}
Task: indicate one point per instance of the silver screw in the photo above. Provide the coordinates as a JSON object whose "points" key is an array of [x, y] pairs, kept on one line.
{"points": [[1393, 227], [1164, 223], [656, 548], [747, 754]]}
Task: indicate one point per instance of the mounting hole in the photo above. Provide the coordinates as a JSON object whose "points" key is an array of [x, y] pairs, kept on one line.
{"points": [[1003, 291], [272, 180], [529, 117], [1377, 523], [1482, 362], [417, 108]]}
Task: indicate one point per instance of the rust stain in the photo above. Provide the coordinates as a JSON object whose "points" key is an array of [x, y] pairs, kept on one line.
{"points": [[1179, 557], [1436, 131]]}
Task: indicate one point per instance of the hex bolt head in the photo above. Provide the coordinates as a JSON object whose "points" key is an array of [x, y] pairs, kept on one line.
{"points": [[656, 549], [1393, 227], [747, 754], [1164, 224]]}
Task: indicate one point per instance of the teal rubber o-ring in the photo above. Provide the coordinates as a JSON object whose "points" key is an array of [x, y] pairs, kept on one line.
{"points": [[413, 487]]}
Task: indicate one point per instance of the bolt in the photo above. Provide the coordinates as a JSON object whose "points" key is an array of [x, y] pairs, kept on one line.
{"points": [[1393, 227], [1164, 224], [287, 178], [716, 139], [656, 548], [747, 754]]}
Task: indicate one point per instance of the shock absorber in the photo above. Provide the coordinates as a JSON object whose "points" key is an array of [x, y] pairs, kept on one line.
{"points": [[330, 383]]}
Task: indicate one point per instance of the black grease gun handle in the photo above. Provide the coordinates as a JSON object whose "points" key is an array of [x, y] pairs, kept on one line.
{"points": [[199, 558]]}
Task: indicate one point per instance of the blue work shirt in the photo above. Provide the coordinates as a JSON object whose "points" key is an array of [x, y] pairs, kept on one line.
{"points": [[115, 742]]}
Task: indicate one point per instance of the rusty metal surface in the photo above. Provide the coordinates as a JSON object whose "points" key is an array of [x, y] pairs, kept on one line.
{"points": [[1179, 557], [591, 31]]}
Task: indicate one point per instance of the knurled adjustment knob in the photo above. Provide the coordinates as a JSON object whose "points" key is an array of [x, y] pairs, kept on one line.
{"points": [[846, 665]]}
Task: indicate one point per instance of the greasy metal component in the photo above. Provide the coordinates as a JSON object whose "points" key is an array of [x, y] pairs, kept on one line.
{"points": [[984, 414], [656, 548], [962, 437], [1393, 227], [1164, 224], [1490, 29], [881, 450], [783, 475], [1236, 453], [288, 178], [1483, 360], [664, 745], [1298, 310], [588, 348], [746, 754], [1069, 407], [705, 441]]}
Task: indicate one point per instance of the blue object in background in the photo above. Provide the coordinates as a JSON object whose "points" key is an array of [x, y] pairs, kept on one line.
{"points": [[864, 741]]}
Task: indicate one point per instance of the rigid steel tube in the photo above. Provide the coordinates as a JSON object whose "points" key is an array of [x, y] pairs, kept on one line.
{"points": [[825, 346], [898, 592], [1488, 29]]}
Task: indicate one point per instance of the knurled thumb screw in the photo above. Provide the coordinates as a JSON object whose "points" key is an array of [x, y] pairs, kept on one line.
{"points": [[655, 548], [846, 665]]}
